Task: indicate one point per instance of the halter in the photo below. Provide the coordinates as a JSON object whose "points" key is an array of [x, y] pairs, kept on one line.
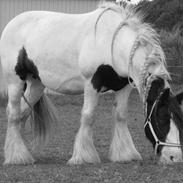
{"points": [[157, 141]]}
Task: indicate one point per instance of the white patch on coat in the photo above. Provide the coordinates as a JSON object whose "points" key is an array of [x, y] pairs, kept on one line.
{"points": [[122, 147], [171, 154], [84, 150], [14, 149]]}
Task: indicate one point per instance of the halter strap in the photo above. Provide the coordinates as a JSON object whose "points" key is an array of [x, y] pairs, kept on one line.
{"points": [[157, 141]]}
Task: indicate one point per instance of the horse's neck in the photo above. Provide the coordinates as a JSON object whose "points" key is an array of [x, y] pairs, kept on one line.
{"points": [[122, 45], [107, 23], [123, 49]]}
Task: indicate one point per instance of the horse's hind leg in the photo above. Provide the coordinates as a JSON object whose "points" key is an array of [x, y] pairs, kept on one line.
{"points": [[34, 91], [15, 150], [122, 147], [84, 150]]}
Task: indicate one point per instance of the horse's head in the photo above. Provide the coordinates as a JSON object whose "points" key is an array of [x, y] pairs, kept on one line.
{"points": [[164, 122]]}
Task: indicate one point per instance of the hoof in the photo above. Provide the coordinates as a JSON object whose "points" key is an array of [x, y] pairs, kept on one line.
{"points": [[19, 159], [19, 162], [137, 157], [125, 157], [79, 161], [75, 161]]}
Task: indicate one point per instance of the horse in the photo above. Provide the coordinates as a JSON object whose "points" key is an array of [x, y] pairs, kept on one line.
{"points": [[110, 48]]}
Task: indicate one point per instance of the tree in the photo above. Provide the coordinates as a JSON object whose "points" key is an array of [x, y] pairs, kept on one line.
{"points": [[162, 13]]}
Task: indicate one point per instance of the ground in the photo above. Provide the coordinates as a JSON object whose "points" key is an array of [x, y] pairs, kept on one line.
{"points": [[51, 164]]}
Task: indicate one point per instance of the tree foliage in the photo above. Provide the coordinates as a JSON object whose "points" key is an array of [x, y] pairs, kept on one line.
{"points": [[167, 17], [164, 14]]}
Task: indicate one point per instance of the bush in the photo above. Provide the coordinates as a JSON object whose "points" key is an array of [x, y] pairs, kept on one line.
{"points": [[172, 43], [164, 14]]}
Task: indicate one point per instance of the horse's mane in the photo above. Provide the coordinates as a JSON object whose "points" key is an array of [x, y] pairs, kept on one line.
{"points": [[146, 36], [106, 6]]}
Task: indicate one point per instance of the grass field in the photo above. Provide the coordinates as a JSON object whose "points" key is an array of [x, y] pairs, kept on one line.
{"points": [[51, 163]]}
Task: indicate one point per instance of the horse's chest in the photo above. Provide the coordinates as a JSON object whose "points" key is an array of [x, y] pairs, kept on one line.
{"points": [[105, 78]]}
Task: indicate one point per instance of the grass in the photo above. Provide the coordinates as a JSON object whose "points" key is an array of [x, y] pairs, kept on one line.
{"points": [[51, 165]]}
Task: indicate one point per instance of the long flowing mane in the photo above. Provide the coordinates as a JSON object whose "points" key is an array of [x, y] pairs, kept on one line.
{"points": [[146, 36]]}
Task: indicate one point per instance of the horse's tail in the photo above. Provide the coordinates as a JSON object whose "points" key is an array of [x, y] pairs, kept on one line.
{"points": [[44, 119]]}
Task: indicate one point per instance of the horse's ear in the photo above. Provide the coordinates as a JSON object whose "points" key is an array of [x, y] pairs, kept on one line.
{"points": [[179, 98], [164, 99]]}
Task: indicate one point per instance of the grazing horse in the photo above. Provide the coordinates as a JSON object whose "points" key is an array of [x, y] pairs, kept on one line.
{"points": [[110, 48]]}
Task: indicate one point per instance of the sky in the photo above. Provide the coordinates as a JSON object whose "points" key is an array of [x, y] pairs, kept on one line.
{"points": [[135, 1]]}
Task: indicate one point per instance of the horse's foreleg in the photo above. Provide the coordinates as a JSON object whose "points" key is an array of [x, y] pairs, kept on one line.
{"points": [[15, 150], [84, 150], [122, 147]]}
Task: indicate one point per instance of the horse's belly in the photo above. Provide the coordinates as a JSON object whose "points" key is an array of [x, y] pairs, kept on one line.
{"points": [[66, 84], [72, 86]]}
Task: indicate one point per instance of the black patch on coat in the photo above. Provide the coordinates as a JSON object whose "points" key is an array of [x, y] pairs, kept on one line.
{"points": [[177, 116], [106, 77], [25, 66], [25, 86], [160, 118], [167, 108]]}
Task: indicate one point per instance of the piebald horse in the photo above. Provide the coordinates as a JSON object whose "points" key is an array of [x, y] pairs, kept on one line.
{"points": [[110, 48]]}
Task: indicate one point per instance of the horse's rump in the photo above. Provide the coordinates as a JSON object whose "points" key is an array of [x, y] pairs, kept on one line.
{"points": [[52, 41]]}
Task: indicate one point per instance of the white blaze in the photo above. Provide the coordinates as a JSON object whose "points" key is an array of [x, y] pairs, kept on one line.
{"points": [[171, 154]]}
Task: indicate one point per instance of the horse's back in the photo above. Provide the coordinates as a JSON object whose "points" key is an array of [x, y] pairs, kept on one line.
{"points": [[53, 42], [42, 23], [66, 48]]}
